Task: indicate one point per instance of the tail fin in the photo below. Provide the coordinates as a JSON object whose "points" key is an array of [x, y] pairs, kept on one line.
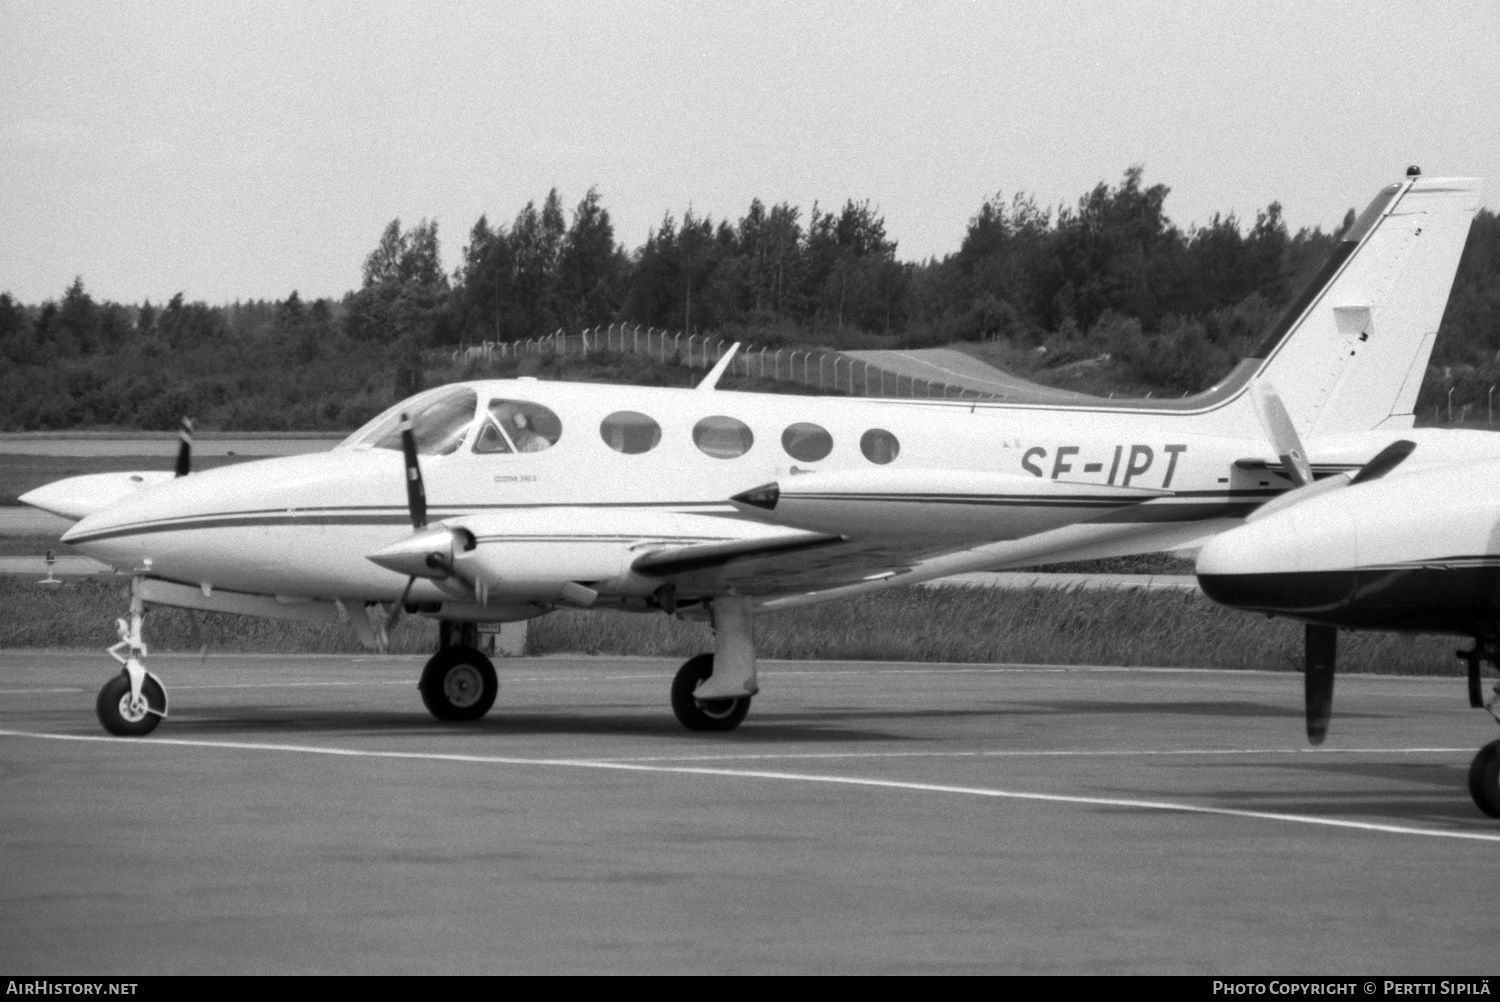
{"points": [[1350, 352]]}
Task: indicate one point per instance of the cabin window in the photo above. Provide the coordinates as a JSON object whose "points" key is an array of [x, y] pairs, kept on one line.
{"points": [[722, 437], [806, 442], [879, 446], [517, 426], [438, 424], [630, 432]]}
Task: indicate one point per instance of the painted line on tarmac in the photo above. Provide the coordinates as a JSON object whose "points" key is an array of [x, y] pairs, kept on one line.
{"points": [[1037, 753], [794, 777], [28, 692]]}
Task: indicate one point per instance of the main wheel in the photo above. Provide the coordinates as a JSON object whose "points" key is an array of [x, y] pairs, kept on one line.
{"points": [[459, 683], [704, 714], [1484, 779], [119, 717]]}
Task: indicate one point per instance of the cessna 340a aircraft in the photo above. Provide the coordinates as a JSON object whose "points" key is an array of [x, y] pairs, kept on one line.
{"points": [[506, 499]]}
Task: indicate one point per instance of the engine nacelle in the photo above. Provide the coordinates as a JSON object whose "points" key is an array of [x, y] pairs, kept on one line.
{"points": [[592, 546], [934, 503]]}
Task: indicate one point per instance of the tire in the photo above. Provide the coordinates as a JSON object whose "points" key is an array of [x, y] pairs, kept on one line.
{"points": [[1484, 779], [459, 683], [113, 707], [704, 714]]}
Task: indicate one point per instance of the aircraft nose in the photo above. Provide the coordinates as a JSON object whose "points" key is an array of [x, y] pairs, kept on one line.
{"points": [[1299, 561]]}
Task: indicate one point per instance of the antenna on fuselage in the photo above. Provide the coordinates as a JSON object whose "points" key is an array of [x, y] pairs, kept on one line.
{"points": [[712, 379]]}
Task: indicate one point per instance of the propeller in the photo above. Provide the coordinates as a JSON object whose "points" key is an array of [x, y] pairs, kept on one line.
{"points": [[1280, 430], [436, 552], [416, 494], [1320, 648], [416, 506], [1320, 643], [185, 450], [1385, 461], [429, 551]]}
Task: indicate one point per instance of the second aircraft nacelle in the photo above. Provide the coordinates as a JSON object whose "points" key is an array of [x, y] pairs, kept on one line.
{"points": [[1416, 551]]}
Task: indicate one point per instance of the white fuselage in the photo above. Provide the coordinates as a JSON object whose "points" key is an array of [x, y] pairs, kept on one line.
{"points": [[581, 509]]}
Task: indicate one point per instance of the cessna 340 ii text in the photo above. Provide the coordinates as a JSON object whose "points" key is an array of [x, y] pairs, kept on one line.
{"points": [[503, 500]]}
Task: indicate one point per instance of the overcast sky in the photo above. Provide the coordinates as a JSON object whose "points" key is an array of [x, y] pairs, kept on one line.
{"points": [[243, 150]]}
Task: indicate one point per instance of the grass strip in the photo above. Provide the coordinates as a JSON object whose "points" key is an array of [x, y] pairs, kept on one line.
{"points": [[962, 625]]}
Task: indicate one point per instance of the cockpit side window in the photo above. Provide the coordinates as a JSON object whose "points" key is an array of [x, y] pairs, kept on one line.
{"points": [[517, 426], [438, 424]]}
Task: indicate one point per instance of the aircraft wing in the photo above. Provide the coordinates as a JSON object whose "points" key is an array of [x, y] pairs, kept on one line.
{"points": [[870, 526], [779, 566]]}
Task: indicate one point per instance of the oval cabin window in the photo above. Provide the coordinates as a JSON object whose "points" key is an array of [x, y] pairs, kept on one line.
{"points": [[806, 442], [722, 437], [517, 426], [879, 446], [630, 432]]}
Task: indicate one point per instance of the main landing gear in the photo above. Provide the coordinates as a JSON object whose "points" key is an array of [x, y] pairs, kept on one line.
{"points": [[133, 702], [712, 692], [458, 682], [696, 713], [1484, 771]]}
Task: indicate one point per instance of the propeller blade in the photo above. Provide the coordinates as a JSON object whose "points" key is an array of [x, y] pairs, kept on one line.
{"points": [[1321, 647], [1386, 460], [1278, 427], [416, 494], [390, 622], [185, 450]]}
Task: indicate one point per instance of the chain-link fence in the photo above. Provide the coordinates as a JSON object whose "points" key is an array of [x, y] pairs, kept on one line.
{"points": [[827, 371]]}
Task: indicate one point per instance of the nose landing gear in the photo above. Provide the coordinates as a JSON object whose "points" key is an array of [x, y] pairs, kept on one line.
{"points": [[133, 702]]}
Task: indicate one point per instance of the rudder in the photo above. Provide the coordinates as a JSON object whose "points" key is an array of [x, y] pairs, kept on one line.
{"points": [[1349, 353]]}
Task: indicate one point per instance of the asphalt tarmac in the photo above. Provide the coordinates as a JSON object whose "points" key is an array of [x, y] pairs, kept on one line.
{"points": [[304, 814]]}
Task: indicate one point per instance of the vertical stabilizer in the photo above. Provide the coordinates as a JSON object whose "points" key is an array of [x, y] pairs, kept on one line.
{"points": [[1349, 353]]}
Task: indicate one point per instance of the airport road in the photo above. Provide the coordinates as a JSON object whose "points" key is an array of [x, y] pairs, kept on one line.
{"points": [[303, 814]]}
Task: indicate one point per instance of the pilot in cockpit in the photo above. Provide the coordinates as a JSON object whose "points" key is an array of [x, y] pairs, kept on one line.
{"points": [[526, 439]]}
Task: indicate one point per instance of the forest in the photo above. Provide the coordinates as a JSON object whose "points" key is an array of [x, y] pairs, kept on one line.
{"points": [[1109, 280]]}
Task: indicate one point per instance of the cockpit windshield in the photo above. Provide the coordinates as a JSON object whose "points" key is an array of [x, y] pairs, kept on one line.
{"points": [[440, 420]]}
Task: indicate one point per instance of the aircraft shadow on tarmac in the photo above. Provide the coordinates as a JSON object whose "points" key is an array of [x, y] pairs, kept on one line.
{"points": [[1006, 708], [1219, 708], [818, 723], [1442, 795], [258, 721]]}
